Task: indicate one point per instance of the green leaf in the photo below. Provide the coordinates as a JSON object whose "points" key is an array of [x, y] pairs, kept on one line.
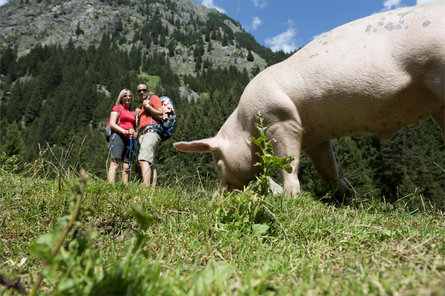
{"points": [[288, 169], [43, 246], [66, 284], [260, 229], [63, 221]]}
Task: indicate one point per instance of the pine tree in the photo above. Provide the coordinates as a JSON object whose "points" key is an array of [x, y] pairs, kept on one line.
{"points": [[13, 143]]}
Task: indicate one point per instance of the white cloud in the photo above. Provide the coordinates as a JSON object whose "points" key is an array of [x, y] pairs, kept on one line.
{"points": [[391, 4], [210, 4], [284, 41], [420, 2], [256, 22], [260, 3], [3, 2]]}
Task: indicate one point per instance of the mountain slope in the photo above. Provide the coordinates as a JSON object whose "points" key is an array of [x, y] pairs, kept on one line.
{"points": [[170, 26]]}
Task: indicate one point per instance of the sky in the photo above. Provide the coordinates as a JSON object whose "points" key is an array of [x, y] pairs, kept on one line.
{"points": [[290, 24]]}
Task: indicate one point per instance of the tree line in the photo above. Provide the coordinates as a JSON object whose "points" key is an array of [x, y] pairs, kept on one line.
{"points": [[59, 98]]}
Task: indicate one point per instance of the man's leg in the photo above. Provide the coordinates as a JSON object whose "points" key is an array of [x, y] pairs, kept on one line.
{"points": [[146, 172], [148, 142], [154, 177]]}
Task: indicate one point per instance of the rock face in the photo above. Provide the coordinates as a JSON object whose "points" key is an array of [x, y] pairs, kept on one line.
{"points": [[27, 23]]}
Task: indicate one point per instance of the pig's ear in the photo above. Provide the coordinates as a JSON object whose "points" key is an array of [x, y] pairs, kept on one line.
{"points": [[204, 145]]}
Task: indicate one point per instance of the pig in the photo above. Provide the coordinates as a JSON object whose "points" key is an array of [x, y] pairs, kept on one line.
{"points": [[374, 75]]}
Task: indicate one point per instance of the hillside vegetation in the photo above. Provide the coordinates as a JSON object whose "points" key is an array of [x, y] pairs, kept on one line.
{"points": [[185, 239]]}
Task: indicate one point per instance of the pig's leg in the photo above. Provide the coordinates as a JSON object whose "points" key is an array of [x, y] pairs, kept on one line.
{"points": [[440, 120], [435, 83], [323, 158], [288, 136]]}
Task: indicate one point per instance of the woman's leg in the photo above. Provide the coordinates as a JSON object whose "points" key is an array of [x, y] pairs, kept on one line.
{"points": [[114, 165], [125, 170], [118, 148]]}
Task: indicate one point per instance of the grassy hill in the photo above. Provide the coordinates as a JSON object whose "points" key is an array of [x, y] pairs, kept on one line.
{"points": [[185, 239]]}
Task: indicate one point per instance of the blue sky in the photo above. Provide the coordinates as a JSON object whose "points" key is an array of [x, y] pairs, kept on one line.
{"points": [[289, 24]]}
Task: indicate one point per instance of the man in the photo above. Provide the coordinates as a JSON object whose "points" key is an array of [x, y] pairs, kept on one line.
{"points": [[149, 117]]}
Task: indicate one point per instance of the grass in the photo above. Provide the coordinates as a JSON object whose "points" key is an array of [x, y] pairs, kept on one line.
{"points": [[189, 246], [152, 81]]}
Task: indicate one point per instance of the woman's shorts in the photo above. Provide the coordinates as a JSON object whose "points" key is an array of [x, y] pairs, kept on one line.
{"points": [[119, 146], [148, 143]]}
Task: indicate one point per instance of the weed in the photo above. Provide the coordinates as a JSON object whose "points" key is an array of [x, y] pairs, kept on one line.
{"points": [[47, 247], [248, 210], [269, 163]]}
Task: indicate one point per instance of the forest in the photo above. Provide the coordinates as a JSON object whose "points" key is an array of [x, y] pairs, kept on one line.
{"points": [[56, 100]]}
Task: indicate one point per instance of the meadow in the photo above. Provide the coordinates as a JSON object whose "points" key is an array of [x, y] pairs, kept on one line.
{"points": [[185, 238]]}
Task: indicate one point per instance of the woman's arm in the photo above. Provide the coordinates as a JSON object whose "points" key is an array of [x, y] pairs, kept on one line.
{"points": [[114, 126]]}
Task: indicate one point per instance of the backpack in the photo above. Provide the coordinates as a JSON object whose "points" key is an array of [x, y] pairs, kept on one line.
{"points": [[108, 130], [168, 122]]}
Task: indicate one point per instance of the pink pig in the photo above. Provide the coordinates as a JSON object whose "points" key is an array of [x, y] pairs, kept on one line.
{"points": [[371, 76]]}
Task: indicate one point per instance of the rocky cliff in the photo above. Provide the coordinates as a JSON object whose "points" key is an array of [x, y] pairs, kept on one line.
{"points": [[27, 23]]}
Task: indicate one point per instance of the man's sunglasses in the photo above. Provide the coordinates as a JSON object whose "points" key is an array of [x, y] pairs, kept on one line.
{"points": [[142, 90]]}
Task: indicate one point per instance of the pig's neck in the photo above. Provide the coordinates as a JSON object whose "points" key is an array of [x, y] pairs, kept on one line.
{"points": [[234, 132]]}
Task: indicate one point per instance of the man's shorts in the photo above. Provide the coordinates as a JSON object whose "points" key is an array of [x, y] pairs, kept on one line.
{"points": [[148, 143], [119, 146]]}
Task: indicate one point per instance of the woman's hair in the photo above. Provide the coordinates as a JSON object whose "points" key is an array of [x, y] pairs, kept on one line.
{"points": [[121, 94]]}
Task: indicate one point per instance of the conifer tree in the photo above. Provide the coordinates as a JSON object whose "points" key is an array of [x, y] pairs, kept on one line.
{"points": [[13, 143]]}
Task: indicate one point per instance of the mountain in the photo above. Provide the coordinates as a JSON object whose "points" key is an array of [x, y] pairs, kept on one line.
{"points": [[182, 29]]}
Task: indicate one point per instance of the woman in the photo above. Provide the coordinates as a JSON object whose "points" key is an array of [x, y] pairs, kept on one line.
{"points": [[122, 122]]}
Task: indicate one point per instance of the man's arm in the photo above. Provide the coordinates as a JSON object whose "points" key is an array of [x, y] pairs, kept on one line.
{"points": [[156, 113]]}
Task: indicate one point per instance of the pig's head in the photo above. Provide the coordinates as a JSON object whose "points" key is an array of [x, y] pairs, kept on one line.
{"points": [[232, 155]]}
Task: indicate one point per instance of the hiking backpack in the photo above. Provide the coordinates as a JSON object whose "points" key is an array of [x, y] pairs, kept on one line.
{"points": [[168, 121]]}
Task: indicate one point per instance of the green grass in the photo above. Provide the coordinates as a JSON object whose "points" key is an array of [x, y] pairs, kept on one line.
{"points": [[151, 80], [196, 242]]}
